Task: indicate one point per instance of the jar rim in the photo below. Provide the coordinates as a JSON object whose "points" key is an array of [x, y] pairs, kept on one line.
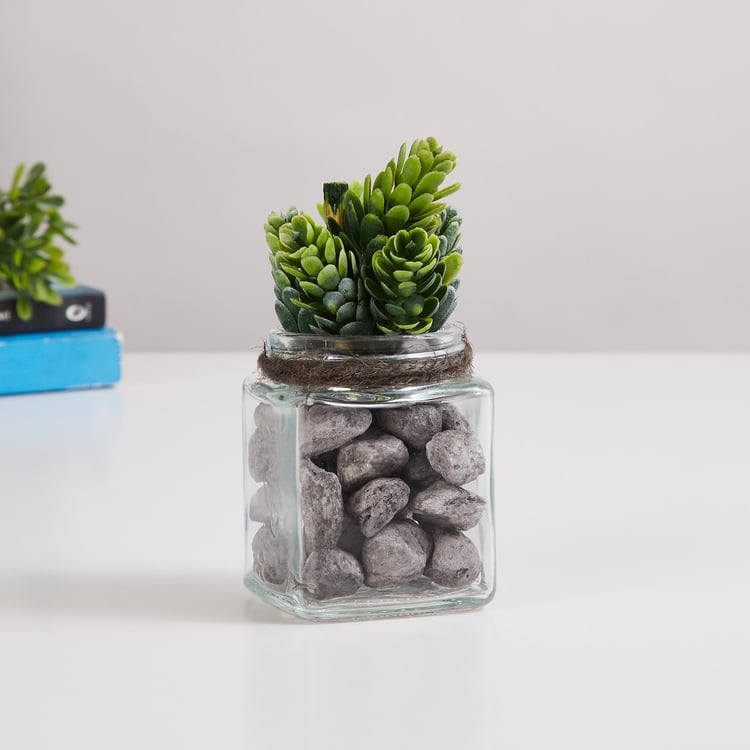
{"points": [[448, 341]]}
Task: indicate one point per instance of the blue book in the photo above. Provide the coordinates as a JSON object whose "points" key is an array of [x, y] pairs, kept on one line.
{"points": [[32, 362]]}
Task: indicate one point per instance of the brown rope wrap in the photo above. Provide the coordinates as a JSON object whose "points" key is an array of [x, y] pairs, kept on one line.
{"points": [[312, 372]]}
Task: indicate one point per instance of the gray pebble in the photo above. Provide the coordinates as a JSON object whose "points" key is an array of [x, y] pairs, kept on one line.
{"points": [[455, 560], [419, 473], [375, 504], [270, 558], [352, 538], [452, 418], [262, 505], [457, 456], [260, 454], [395, 555], [362, 460], [322, 506], [325, 428], [447, 506], [415, 425], [332, 572]]}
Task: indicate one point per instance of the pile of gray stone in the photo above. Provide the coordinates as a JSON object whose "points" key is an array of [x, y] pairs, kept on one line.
{"points": [[382, 498]]}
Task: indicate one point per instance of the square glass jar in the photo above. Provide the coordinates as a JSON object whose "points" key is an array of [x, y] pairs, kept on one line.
{"points": [[365, 502]]}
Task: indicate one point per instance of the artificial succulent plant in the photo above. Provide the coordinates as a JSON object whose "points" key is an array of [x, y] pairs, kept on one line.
{"points": [[386, 259]]}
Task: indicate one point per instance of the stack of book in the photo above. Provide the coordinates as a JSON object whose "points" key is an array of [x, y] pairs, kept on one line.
{"points": [[61, 347]]}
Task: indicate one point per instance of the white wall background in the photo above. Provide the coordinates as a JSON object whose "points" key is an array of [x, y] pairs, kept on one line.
{"points": [[604, 150]]}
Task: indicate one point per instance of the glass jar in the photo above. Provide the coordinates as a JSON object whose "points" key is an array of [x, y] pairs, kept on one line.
{"points": [[366, 502]]}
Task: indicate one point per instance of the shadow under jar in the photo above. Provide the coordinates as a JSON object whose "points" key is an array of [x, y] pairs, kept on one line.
{"points": [[368, 500]]}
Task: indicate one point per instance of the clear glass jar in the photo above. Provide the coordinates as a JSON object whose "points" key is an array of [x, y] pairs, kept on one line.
{"points": [[369, 502]]}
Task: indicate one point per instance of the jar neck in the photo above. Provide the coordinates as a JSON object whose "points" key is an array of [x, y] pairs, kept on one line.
{"points": [[448, 341]]}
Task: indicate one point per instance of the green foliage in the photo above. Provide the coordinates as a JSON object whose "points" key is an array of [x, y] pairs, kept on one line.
{"points": [[408, 280], [392, 242], [449, 235], [404, 195], [316, 280], [449, 232], [31, 261], [274, 223]]}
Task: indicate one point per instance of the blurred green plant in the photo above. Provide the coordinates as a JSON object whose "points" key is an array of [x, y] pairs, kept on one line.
{"points": [[31, 260]]}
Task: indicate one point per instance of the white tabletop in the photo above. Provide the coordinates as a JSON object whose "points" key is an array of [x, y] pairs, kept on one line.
{"points": [[622, 618]]}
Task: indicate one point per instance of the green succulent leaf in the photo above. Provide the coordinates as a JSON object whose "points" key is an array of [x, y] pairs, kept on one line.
{"points": [[356, 204], [356, 329], [346, 313], [444, 310], [446, 191], [333, 301], [403, 275], [293, 272], [412, 170], [366, 190], [444, 167], [453, 263], [352, 218], [406, 288], [348, 287], [400, 162], [363, 312], [329, 278], [430, 307], [273, 241], [312, 266], [414, 305], [288, 296], [429, 224], [430, 211], [426, 160], [286, 318], [386, 183], [311, 289], [370, 228], [429, 183], [395, 219], [401, 195], [305, 321], [376, 204]]}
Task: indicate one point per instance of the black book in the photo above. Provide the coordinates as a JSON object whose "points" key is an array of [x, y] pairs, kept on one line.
{"points": [[82, 307]]}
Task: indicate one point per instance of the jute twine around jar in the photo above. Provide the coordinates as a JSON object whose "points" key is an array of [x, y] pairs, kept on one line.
{"points": [[311, 371]]}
